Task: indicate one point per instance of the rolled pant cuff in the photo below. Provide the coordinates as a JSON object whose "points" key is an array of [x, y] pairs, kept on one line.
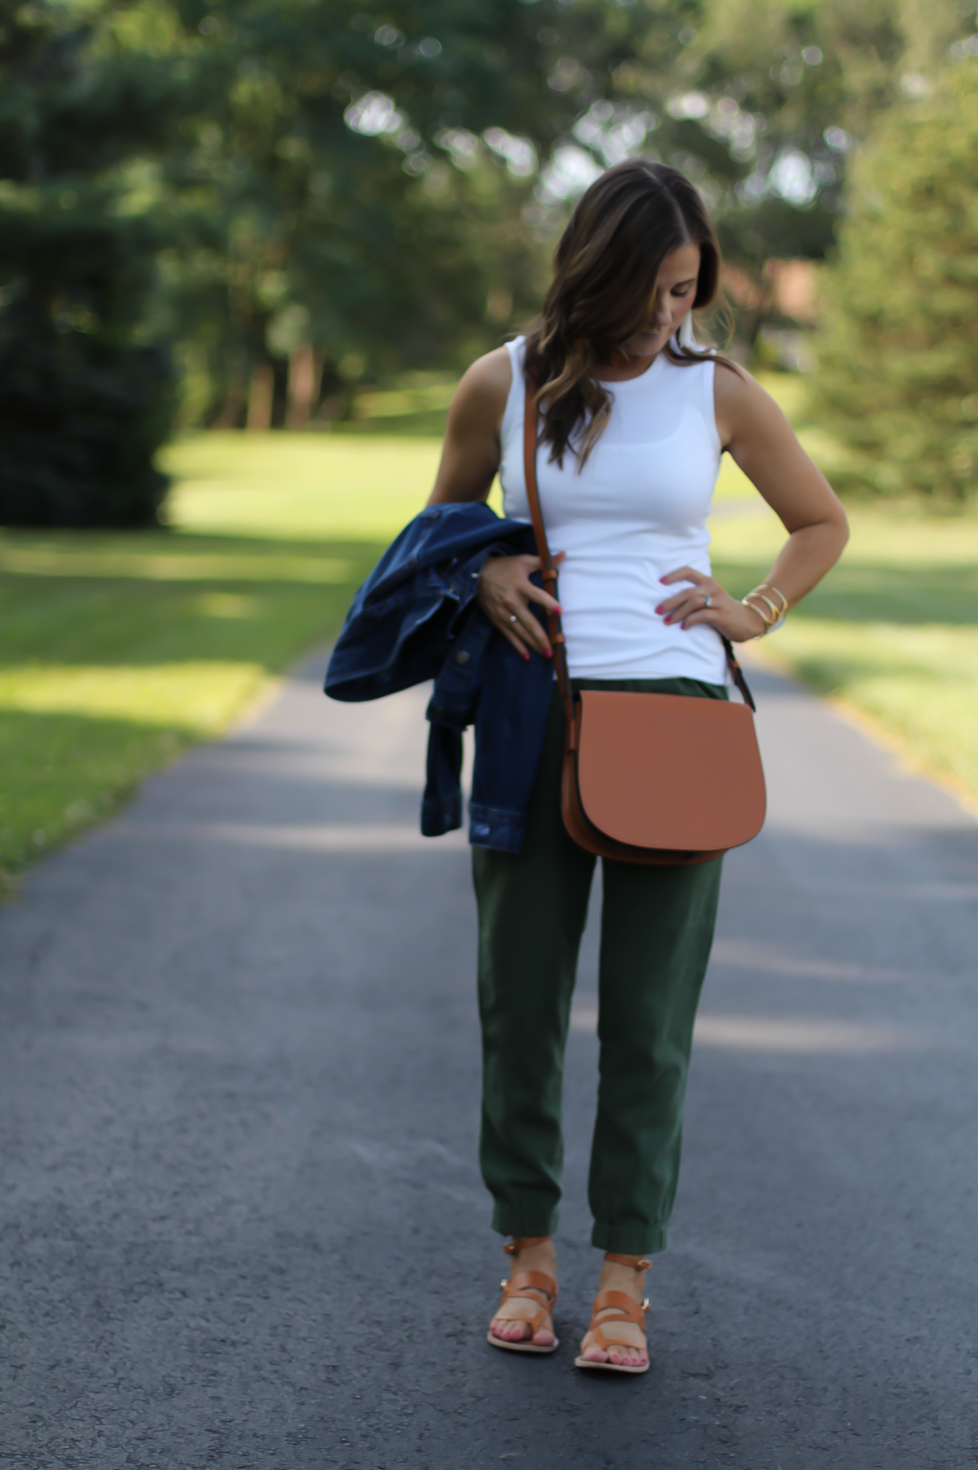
{"points": [[508, 1223], [629, 1240]]}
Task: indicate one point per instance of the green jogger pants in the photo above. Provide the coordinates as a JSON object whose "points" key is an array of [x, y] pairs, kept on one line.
{"points": [[656, 932]]}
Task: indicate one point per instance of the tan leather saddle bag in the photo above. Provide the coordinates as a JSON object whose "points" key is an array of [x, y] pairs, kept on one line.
{"points": [[650, 778]]}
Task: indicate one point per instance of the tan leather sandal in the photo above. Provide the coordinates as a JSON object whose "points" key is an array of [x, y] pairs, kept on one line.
{"points": [[529, 1286], [620, 1308]]}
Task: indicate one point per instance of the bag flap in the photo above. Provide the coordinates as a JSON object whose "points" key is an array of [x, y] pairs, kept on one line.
{"points": [[669, 770]]}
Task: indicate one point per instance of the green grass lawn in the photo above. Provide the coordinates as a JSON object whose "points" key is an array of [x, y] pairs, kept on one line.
{"points": [[892, 632], [120, 649]]}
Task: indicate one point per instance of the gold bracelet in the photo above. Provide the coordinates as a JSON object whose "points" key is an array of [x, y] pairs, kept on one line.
{"points": [[768, 613], [770, 605], [767, 621], [769, 587], [774, 613]]}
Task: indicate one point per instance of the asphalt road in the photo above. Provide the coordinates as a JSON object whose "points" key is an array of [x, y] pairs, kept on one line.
{"points": [[242, 1224]]}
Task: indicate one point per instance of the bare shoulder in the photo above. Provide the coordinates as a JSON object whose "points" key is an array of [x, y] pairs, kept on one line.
{"points": [[741, 404], [494, 371], [484, 387]]}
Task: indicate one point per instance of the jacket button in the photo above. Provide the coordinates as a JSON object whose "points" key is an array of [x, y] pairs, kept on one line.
{"points": [[461, 657]]}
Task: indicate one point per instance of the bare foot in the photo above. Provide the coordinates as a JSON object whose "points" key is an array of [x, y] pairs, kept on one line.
{"points": [[511, 1322], [631, 1352]]}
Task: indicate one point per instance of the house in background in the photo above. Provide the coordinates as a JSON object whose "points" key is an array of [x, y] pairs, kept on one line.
{"points": [[774, 313]]}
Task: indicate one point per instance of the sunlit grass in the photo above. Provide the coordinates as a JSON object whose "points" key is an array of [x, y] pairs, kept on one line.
{"points": [[276, 485], [171, 562], [192, 697], [920, 683], [893, 630], [119, 650]]}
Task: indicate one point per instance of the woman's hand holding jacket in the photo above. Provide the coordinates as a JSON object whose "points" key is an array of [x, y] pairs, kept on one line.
{"points": [[505, 594]]}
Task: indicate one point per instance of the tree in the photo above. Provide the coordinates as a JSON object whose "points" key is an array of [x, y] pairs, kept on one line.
{"points": [[85, 391], [898, 356], [767, 100], [370, 165]]}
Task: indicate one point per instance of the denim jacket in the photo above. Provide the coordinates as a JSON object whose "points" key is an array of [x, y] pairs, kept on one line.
{"points": [[414, 619]]}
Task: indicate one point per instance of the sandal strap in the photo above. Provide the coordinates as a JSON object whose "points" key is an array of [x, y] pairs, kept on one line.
{"points": [[523, 1281], [637, 1263], [520, 1286], [520, 1242], [598, 1337], [625, 1308]]}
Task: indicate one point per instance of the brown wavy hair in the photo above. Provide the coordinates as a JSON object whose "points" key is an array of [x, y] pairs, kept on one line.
{"points": [[606, 268]]}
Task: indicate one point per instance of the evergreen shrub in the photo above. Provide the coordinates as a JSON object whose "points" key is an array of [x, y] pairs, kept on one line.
{"points": [[897, 380], [87, 124], [80, 421]]}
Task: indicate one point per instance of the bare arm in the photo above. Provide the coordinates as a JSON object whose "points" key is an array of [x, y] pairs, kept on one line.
{"points": [[469, 461], [758, 436], [470, 453]]}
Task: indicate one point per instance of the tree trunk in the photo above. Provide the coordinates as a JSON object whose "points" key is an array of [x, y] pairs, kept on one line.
{"points": [[280, 391], [260, 397], [334, 396], [302, 386], [230, 412]]}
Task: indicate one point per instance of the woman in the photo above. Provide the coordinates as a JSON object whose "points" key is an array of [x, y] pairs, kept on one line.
{"points": [[633, 419]]}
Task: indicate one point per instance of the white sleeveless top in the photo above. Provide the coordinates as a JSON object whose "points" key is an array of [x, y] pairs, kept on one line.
{"points": [[635, 512]]}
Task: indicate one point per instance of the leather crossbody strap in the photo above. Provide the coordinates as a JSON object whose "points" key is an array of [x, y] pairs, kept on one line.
{"points": [[549, 572]]}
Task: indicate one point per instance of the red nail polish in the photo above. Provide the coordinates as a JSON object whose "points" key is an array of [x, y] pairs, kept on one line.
{"points": [[548, 653], [659, 608], [526, 658]]}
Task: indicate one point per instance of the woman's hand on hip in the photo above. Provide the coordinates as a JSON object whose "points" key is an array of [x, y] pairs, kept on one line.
{"points": [[706, 602], [505, 593]]}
